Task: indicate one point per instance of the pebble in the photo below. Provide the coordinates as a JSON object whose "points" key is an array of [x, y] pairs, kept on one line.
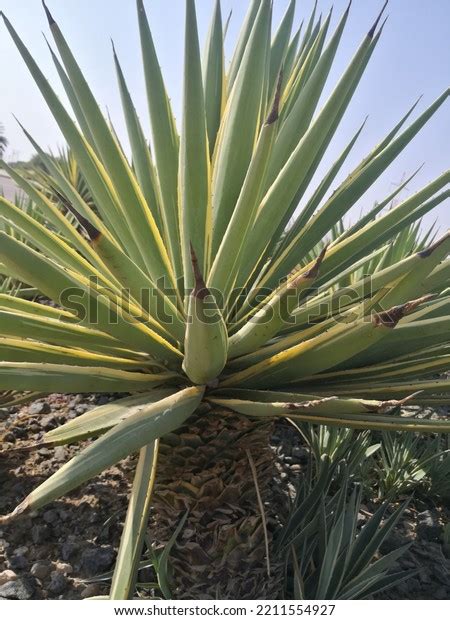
{"points": [[39, 408], [58, 583], [5, 412], [18, 561], [428, 526], [300, 453], [20, 589], [81, 408], [9, 437], [7, 575], [97, 560], [60, 454], [48, 422], [41, 569], [50, 516], [40, 533], [68, 550], [362, 519], [20, 432], [63, 568], [93, 589]]}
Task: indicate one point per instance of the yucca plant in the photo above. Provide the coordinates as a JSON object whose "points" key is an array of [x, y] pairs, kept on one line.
{"points": [[406, 462], [190, 286], [339, 444], [48, 185], [328, 555]]}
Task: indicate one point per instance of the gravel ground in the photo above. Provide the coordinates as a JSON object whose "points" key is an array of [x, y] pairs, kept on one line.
{"points": [[49, 554], [54, 553]]}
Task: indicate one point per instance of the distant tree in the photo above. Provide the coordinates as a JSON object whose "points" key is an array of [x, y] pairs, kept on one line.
{"points": [[3, 141]]}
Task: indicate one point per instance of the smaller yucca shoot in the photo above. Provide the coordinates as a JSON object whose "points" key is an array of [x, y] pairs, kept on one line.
{"points": [[206, 341]]}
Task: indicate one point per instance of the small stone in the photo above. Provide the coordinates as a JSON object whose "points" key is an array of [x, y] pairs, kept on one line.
{"points": [[63, 515], [93, 589], [81, 408], [48, 422], [23, 550], [9, 437], [18, 561], [409, 526], [362, 519], [50, 516], [102, 400], [63, 568], [428, 526], [41, 569], [39, 534], [20, 589], [7, 575], [60, 454], [19, 432], [39, 408], [68, 550], [5, 412], [299, 453], [58, 583], [97, 560], [426, 518]]}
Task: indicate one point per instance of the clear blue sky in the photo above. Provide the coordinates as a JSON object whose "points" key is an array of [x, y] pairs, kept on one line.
{"points": [[412, 58]]}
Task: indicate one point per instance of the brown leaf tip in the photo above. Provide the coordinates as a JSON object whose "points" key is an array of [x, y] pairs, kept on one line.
{"points": [[314, 271], [273, 116], [51, 21], [374, 27], [429, 251], [200, 291], [91, 230], [390, 318]]}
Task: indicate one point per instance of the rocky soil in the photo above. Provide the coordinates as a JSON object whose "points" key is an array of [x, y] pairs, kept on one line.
{"points": [[50, 554], [56, 553]]}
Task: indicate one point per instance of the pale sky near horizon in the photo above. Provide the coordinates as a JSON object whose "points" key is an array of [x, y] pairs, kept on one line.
{"points": [[413, 58]]}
